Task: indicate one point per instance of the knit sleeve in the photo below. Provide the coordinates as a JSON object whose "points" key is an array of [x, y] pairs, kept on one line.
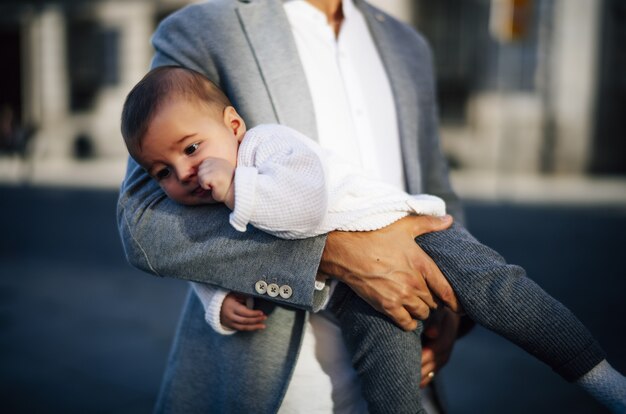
{"points": [[212, 299], [280, 185]]}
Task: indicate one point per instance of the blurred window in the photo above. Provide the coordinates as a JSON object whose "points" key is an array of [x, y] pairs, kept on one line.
{"points": [[10, 70], [93, 60], [468, 59], [609, 145]]}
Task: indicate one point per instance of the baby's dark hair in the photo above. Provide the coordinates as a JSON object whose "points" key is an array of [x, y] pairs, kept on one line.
{"points": [[155, 89]]}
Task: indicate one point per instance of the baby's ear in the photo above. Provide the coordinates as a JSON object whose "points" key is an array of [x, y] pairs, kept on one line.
{"points": [[235, 122]]}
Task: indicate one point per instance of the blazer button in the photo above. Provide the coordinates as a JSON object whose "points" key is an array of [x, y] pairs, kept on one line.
{"points": [[272, 290], [285, 291], [260, 287]]}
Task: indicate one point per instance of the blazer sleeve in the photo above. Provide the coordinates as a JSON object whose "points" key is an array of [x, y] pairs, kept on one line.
{"points": [[198, 243], [435, 173], [409, 63]]}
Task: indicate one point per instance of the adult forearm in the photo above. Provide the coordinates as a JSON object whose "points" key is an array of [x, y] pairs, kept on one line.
{"points": [[388, 270], [197, 243]]}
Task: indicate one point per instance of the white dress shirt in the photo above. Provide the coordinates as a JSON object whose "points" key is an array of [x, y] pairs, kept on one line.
{"points": [[356, 117], [352, 97]]}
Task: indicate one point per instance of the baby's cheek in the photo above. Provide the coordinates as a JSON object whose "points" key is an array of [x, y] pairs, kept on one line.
{"points": [[175, 193]]}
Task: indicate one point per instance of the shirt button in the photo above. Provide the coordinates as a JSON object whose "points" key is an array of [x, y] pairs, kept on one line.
{"points": [[285, 291], [260, 287], [380, 17], [272, 290]]}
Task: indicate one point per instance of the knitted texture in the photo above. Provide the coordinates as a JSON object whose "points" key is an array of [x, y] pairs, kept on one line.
{"points": [[501, 298], [286, 185], [279, 183], [386, 358], [212, 299], [607, 386]]}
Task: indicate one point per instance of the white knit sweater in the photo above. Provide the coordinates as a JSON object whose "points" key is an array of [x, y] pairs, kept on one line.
{"points": [[288, 186]]}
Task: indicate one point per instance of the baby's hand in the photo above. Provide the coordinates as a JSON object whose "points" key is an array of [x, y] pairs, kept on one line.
{"points": [[236, 315], [217, 175]]}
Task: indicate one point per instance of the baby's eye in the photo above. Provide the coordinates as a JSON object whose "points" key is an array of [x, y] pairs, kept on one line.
{"points": [[162, 173], [191, 149]]}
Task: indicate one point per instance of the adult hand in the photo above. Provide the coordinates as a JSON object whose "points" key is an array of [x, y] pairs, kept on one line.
{"points": [[440, 333], [389, 270]]}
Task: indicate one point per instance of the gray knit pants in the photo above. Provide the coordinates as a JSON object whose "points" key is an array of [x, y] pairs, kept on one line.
{"points": [[493, 294], [386, 359]]}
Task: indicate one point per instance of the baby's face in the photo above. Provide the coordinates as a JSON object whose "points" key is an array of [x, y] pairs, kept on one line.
{"points": [[182, 135]]}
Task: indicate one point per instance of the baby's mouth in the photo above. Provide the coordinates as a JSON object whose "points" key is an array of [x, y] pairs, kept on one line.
{"points": [[201, 192]]}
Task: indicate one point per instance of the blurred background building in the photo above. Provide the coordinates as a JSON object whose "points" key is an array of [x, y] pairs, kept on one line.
{"points": [[524, 86], [67, 67], [536, 88]]}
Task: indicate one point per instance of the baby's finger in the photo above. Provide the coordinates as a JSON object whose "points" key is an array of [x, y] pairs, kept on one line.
{"points": [[246, 312], [246, 320], [241, 327]]}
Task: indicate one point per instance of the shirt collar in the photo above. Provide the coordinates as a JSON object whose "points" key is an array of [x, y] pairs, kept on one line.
{"points": [[349, 9], [306, 9]]}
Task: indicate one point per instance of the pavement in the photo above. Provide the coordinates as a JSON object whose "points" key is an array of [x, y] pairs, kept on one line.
{"points": [[83, 332]]}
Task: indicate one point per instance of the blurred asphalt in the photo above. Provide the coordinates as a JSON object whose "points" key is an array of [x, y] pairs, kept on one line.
{"points": [[83, 332]]}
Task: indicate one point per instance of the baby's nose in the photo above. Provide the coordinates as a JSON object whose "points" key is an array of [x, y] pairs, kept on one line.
{"points": [[186, 173]]}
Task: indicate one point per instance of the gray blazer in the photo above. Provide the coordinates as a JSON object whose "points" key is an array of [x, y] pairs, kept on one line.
{"points": [[245, 46]]}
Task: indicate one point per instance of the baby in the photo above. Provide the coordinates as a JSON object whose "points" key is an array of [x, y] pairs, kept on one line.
{"points": [[184, 131]]}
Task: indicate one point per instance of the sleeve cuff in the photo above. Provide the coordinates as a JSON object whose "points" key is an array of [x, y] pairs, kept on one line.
{"points": [[245, 192], [427, 205], [212, 313]]}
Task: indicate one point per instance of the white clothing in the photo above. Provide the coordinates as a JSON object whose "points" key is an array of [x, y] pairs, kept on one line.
{"points": [[355, 116], [354, 107], [286, 185]]}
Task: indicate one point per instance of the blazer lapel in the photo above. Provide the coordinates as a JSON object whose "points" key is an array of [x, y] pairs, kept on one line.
{"points": [[402, 77], [267, 31]]}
